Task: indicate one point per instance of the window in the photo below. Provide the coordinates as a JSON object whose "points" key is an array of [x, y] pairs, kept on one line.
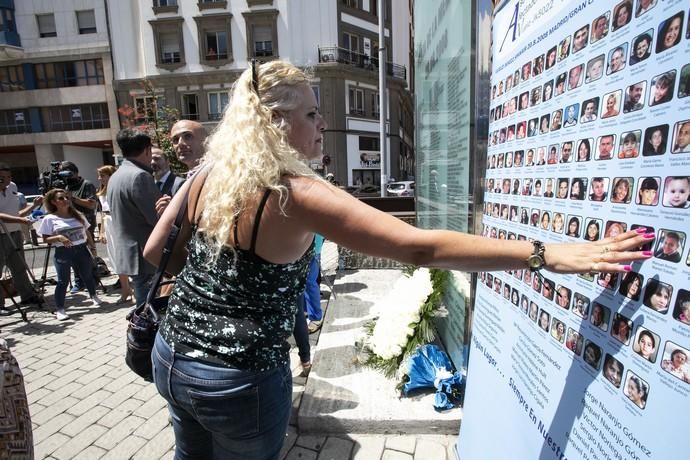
{"points": [[215, 45], [208, 4], [86, 22], [11, 78], [216, 104], [263, 41], [375, 105], [14, 121], [74, 73], [351, 42], [167, 37], [262, 33], [146, 108], [46, 25], [354, 3], [170, 48], [75, 117], [190, 107], [370, 144], [7, 20], [164, 6], [356, 100]]}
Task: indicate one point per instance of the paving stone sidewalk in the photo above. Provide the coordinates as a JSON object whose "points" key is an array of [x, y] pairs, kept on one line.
{"points": [[86, 404]]}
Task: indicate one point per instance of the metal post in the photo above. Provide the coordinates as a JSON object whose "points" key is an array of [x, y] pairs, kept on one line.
{"points": [[383, 138]]}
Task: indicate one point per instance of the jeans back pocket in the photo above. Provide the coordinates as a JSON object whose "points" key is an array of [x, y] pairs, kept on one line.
{"points": [[233, 412]]}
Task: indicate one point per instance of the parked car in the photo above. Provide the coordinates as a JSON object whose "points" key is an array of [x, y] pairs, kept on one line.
{"points": [[403, 188], [367, 190]]}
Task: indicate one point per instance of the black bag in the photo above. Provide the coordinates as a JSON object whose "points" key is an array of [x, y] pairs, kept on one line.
{"points": [[142, 326], [143, 320], [102, 269]]}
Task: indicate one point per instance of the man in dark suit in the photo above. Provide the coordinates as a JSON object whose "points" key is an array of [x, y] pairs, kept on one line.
{"points": [[166, 181], [132, 195]]}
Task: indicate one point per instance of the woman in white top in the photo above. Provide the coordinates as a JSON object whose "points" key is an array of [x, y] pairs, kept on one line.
{"points": [[105, 235], [65, 229]]}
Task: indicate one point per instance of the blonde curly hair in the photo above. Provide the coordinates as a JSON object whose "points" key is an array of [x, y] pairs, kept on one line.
{"points": [[249, 150]]}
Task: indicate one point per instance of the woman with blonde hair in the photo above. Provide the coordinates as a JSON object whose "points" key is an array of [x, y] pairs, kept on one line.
{"points": [[105, 235], [221, 357]]}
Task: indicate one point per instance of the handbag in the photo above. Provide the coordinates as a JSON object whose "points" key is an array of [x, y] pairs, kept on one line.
{"points": [[143, 320]]}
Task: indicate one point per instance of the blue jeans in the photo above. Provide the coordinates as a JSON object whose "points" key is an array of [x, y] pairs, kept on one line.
{"points": [[301, 333], [78, 258], [141, 284], [220, 412], [312, 292]]}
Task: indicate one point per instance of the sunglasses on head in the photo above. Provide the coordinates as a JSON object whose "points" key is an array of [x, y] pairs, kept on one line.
{"points": [[255, 75]]}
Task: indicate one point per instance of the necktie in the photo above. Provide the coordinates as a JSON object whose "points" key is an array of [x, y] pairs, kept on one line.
{"points": [[159, 184]]}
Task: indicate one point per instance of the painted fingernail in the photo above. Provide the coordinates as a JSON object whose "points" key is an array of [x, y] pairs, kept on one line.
{"points": [[649, 236], [647, 253], [627, 268], [641, 230]]}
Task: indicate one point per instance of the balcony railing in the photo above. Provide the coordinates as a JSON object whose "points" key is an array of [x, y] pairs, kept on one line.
{"points": [[345, 56]]}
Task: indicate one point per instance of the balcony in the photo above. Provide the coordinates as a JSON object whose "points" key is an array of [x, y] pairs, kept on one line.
{"points": [[335, 54]]}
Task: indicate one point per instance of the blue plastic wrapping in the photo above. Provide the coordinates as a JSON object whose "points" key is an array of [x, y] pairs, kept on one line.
{"points": [[431, 368]]}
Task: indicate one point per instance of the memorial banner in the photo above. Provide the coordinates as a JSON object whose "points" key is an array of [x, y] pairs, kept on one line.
{"points": [[589, 136]]}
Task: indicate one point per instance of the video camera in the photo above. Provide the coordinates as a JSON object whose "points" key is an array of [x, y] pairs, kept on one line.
{"points": [[53, 178]]}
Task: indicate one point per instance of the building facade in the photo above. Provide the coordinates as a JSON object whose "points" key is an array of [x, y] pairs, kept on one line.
{"points": [[186, 54], [56, 78]]}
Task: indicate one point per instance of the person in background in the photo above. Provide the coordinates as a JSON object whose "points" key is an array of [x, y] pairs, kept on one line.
{"points": [[11, 254], [244, 251], [83, 195], [312, 292], [188, 139], [132, 195], [65, 228], [301, 336], [166, 181], [106, 233]]}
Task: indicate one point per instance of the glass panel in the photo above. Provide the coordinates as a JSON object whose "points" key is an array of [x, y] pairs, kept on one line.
{"points": [[221, 40], [213, 109], [263, 40], [170, 47]]}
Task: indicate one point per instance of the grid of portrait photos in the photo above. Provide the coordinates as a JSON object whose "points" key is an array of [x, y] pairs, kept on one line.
{"points": [[586, 141]]}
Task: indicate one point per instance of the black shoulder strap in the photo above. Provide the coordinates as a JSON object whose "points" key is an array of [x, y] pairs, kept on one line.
{"points": [[257, 220], [167, 251]]}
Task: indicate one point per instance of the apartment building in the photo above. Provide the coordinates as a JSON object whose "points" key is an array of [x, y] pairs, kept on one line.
{"points": [[186, 54], [57, 99]]}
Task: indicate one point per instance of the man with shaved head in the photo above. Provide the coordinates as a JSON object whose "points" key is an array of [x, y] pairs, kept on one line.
{"points": [[188, 142], [187, 138]]}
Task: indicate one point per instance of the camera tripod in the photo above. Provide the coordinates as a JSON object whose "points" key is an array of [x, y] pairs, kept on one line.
{"points": [[36, 284]]}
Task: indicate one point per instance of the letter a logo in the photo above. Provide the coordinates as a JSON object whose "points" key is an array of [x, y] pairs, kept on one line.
{"points": [[512, 26]]}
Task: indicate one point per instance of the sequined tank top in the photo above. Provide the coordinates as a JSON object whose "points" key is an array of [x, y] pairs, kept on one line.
{"points": [[238, 310]]}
